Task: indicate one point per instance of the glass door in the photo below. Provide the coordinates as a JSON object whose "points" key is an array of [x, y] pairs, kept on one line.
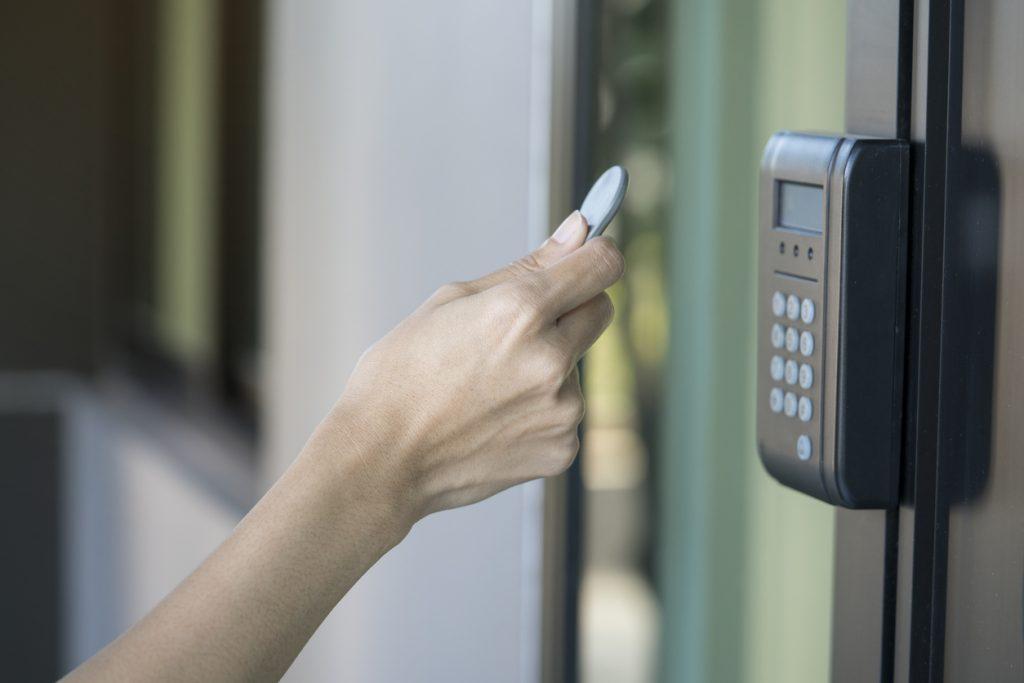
{"points": [[696, 565]]}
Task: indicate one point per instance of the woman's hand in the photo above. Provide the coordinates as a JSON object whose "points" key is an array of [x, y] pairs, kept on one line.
{"points": [[478, 389], [474, 392]]}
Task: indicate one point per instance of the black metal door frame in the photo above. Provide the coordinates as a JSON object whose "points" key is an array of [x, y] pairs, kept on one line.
{"points": [[904, 80]]}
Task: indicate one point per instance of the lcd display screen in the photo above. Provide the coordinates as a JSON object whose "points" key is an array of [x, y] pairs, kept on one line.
{"points": [[801, 206]]}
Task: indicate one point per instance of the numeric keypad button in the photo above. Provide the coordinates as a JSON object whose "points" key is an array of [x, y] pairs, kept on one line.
{"points": [[792, 339], [806, 343], [806, 376], [789, 404], [778, 336], [777, 368], [807, 311], [804, 409], [792, 307], [775, 400], [791, 372], [778, 304], [803, 447]]}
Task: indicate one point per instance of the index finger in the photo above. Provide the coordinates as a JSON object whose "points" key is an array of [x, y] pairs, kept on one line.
{"points": [[580, 276]]}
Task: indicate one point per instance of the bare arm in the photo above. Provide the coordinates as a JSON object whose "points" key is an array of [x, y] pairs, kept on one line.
{"points": [[475, 392]]}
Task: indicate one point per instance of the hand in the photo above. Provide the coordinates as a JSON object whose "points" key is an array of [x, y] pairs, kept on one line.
{"points": [[474, 392], [478, 389]]}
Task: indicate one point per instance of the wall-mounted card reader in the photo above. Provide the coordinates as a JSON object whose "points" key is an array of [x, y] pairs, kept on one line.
{"points": [[831, 315]]}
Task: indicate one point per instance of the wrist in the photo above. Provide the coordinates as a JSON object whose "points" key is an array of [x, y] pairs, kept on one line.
{"points": [[361, 464]]}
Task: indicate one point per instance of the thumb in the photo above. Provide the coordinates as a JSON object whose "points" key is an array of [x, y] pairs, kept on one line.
{"points": [[565, 240]]}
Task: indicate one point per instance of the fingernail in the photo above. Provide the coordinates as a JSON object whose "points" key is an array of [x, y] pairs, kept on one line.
{"points": [[571, 227]]}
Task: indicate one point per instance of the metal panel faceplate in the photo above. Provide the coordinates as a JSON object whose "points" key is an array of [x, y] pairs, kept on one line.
{"points": [[794, 264]]}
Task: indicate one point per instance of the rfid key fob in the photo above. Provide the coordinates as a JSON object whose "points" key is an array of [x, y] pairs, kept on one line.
{"points": [[604, 199]]}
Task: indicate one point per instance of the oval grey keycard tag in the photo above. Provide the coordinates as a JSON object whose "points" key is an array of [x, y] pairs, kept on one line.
{"points": [[602, 202]]}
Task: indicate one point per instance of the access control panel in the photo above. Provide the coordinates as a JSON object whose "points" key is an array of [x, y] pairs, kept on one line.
{"points": [[831, 291]]}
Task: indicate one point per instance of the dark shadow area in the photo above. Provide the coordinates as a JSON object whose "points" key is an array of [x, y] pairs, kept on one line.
{"points": [[972, 254]]}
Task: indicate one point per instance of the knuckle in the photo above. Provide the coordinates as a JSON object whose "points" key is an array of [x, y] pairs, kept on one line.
{"points": [[577, 409], [612, 263], [552, 368], [452, 291], [561, 456], [529, 263], [518, 302]]}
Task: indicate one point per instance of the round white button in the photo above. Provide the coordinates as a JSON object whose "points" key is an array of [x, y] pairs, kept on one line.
{"points": [[803, 409], [789, 404], [803, 447], [775, 400], [792, 340], [778, 304], [807, 311], [792, 307], [806, 376], [777, 368], [791, 372], [778, 336], [806, 343]]}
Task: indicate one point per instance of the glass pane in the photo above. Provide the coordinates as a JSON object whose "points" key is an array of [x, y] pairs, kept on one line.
{"points": [[619, 618], [698, 566]]}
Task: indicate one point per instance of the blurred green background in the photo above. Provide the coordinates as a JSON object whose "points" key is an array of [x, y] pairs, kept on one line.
{"points": [[699, 566]]}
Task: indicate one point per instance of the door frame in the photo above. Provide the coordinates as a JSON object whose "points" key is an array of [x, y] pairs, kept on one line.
{"points": [[904, 80]]}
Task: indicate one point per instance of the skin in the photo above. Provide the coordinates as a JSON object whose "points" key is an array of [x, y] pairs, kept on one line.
{"points": [[476, 391]]}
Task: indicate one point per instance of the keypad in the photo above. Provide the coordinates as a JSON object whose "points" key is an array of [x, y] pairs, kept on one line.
{"points": [[791, 367]]}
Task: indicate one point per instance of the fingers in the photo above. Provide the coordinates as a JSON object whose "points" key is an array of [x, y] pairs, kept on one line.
{"points": [[581, 327], [578, 277], [566, 239]]}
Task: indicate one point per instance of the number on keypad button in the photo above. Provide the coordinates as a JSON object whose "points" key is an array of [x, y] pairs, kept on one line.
{"points": [[778, 304], [792, 307], [804, 409], [806, 343], [806, 376], [792, 340], [775, 400], [777, 368], [807, 311], [803, 447], [791, 372], [789, 404]]}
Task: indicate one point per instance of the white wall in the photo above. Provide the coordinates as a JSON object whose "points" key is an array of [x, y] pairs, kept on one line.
{"points": [[401, 141], [137, 518]]}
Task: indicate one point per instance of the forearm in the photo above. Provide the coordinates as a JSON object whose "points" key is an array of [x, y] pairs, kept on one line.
{"points": [[248, 610]]}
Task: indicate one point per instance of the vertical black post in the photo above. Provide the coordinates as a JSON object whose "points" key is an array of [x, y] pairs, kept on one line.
{"points": [[588, 47], [922, 589]]}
